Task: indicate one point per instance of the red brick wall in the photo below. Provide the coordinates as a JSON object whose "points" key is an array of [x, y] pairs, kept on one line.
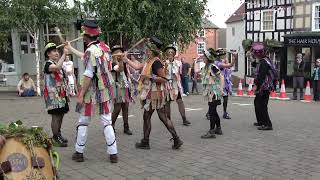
{"points": [[210, 39]]}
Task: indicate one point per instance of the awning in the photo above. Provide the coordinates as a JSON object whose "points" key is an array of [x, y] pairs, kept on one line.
{"points": [[302, 39]]}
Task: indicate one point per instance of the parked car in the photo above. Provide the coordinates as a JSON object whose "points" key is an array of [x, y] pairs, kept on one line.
{"points": [[10, 68]]}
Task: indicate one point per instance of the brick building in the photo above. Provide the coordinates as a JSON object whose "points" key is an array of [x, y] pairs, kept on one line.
{"points": [[207, 37]]}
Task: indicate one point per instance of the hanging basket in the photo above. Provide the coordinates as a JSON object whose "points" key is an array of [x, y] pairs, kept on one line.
{"points": [[272, 43], [246, 44]]}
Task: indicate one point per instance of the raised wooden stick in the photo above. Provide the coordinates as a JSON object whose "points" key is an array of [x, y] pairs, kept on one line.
{"points": [[136, 44], [59, 34], [77, 39]]}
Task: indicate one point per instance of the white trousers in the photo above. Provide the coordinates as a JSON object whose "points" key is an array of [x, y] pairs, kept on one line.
{"points": [[82, 133]]}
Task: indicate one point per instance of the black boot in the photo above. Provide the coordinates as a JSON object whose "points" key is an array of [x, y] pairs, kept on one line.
{"points": [[177, 143], [63, 139], [77, 157], [256, 124], [127, 130], [186, 122], [265, 128], [58, 142], [218, 131], [209, 135], [144, 144]]}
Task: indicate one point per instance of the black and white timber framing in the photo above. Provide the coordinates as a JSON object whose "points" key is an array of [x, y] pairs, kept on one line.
{"points": [[283, 20]]}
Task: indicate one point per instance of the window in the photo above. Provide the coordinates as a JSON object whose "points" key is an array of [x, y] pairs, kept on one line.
{"points": [[233, 31], [200, 48], [26, 44], [267, 20], [201, 33], [316, 17], [51, 35]]}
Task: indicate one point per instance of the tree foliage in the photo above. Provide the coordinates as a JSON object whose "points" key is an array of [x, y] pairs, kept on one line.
{"points": [[171, 21], [4, 28], [33, 14]]}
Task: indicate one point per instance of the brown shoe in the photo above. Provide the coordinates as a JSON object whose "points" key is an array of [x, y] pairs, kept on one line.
{"points": [[114, 158]]}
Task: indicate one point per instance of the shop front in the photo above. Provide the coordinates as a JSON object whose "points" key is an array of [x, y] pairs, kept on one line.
{"points": [[306, 43]]}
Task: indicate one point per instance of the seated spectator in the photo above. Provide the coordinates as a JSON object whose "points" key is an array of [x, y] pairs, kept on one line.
{"points": [[26, 87]]}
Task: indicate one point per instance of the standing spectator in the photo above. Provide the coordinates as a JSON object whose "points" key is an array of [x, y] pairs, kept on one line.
{"points": [[298, 76], [316, 81], [68, 68], [185, 74], [26, 87], [194, 76]]}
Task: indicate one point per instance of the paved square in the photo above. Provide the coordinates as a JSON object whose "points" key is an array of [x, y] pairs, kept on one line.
{"points": [[291, 151]]}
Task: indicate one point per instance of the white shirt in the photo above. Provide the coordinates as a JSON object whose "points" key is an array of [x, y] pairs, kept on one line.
{"points": [[67, 66]]}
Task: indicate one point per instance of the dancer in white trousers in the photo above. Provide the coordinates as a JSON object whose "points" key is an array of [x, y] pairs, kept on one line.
{"points": [[96, 94]]}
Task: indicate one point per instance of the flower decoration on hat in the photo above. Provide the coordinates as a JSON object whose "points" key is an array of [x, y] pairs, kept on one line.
{"points": [[209, 54]]}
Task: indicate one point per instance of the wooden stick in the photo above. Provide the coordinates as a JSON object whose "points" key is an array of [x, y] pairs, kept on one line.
{"points": [[77, 39], [136, 44], [59, 34]]}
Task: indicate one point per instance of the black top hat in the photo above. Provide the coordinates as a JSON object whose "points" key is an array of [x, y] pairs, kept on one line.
{"points": [[90, 24], [156, 42], [116, 47]]}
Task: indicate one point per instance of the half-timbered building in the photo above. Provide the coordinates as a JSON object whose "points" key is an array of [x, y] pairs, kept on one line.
{"points": [[268, 21]]}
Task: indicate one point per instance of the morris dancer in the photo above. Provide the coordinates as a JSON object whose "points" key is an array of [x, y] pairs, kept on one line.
{"points": [[223, 64], [173, 86], [55, 91], [152, 87], [265, 81], [123, 87], [213, 84], [96, 92]]}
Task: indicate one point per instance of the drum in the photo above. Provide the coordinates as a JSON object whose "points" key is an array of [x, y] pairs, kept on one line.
{"points": [[22, 160]]}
